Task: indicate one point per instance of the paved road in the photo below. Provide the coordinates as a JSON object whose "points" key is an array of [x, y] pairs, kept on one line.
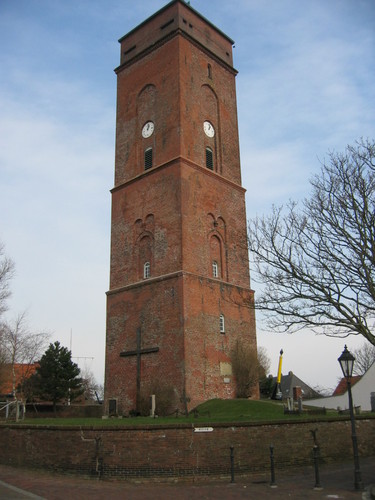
{"points": [[13, 493], [337, 483]]}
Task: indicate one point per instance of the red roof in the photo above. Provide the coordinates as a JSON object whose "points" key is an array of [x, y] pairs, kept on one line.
{"points": [[343, 387], [22, 372]]}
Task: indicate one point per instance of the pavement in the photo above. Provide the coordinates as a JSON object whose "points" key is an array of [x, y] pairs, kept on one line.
{"points": [[337, 482]]}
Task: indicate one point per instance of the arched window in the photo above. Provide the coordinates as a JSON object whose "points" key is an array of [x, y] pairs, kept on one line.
{"points": [[216, 260], [215, 269], [145, 256], [222, 323], [146, 270], [148, 158], [209, 159]]}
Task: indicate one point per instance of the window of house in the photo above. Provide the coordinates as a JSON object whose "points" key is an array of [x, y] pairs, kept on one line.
{"points": [[148, 158], [222, 323], [146, 270], [215, 269], [209, 159]]}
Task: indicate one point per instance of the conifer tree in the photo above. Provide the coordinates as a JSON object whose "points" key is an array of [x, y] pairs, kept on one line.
{"points": [[57, 377]]}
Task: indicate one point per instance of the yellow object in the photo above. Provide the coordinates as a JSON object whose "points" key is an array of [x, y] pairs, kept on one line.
{"points": [[280, 365]]}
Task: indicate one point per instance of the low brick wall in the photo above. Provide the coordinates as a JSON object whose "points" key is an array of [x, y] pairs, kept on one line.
{"points": [[41, 410], [181, 450]]}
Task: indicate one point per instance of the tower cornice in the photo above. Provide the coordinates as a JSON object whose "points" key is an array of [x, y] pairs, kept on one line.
{"points": [[169, 276], [179, 160]]}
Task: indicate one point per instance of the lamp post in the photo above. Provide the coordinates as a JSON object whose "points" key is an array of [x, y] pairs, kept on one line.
{"points": [[346, 361]]}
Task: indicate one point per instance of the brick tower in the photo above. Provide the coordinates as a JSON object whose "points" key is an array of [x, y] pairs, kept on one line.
{"points": [[179, 295]]}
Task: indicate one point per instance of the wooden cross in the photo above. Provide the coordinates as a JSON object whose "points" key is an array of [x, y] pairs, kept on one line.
{"points": [[138, 352]]}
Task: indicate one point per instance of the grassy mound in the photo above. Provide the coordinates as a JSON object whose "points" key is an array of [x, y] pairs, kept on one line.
{"points": [[227, 410], [213, 411]]}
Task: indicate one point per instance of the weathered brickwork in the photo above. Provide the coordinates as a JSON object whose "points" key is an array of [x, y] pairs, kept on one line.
{"points": [[179, 451], [179, 259]]}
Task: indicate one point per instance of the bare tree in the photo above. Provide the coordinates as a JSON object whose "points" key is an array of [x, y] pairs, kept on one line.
{"points": [[91, 389], [264, 361], [20, 345], [317, 259], [248, 366], [364, 358], [6, 274]]}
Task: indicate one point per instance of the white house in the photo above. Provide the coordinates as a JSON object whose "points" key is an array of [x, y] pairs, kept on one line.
{"points": [[361, 392]]}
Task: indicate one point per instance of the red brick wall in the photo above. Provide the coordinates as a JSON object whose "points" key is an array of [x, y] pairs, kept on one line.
{"points": [[213, 206], [156, 306], [166, 451], [180, 315], [206, 348], [158, 72], [151, 206]]}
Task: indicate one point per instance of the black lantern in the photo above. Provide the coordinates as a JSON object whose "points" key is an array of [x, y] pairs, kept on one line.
{"points": [[346, 361]]}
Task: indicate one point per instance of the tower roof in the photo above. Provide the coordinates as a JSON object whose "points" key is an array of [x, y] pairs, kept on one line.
{"points": [[177, 17], [166, 7]]}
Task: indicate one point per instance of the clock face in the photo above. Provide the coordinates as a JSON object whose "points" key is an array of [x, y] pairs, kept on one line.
{"points": [[208, 129], [148, 129]]}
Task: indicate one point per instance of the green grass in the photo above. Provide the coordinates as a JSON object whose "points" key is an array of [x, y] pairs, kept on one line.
{"points": [[214, 411]]}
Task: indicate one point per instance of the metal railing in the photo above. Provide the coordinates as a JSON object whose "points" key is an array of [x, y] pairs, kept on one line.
{"points": [[12, 410]]}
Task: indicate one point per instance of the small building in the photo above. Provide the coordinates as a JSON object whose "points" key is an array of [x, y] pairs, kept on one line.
{"points": [[362, 389], [342, 386], [293, 387], [12, 378]]}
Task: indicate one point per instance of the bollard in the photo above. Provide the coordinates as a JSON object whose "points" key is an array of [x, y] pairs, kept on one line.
{"points": [[317, 486], [273, 482], [232, 464]]}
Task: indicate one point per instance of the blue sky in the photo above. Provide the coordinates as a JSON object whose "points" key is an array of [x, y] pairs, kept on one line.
{"points": [[305, 87]]}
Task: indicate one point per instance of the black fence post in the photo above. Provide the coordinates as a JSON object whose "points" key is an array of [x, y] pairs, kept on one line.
{"points": [[273, 482], [232, 464], [317, 486]]}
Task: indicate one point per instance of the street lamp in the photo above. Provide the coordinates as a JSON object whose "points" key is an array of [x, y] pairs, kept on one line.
{"points": [[346, 361]]}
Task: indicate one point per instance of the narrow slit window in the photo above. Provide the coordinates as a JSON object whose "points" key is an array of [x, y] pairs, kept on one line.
{"points": [[148, 158], [146, 270], [215, 269], [166, 24], [222, 323], [209, 159], [209, 71], [129, 50]]}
